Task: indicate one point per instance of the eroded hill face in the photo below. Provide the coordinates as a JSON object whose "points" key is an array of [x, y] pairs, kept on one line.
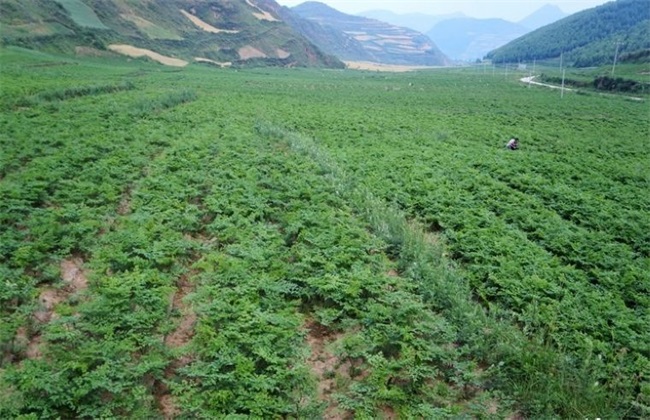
{"points": [[358, 38], [242, 32]]}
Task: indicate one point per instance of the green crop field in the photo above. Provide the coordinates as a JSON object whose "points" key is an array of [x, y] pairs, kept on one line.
{"points": [[294, 243]]}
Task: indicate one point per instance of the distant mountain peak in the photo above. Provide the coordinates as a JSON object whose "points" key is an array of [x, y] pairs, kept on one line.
{"points": [[586, 38], [543, 16], [468, 39]]}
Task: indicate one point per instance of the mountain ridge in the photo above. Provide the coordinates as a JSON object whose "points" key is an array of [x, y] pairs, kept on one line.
{"points": [[371, 40], [222, 32], [588, 38]]}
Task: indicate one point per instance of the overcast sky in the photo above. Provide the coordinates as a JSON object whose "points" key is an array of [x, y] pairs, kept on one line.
{"points": [[513, 10]]}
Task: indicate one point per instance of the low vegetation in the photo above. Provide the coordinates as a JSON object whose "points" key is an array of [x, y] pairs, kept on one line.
{"points": [[204, 242]]}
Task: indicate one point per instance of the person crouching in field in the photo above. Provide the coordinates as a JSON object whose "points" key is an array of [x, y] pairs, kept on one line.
{"points": [[513, 144]]}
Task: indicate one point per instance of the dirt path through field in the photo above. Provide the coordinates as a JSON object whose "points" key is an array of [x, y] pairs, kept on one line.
{"points": [[178, 338], [327, 367], [75, 278], [530, 81]]}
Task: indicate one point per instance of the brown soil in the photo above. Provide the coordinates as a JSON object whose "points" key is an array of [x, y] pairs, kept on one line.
{"points": [[388, 413], [262, 14], [74, 275], [125, 203], [395, 68], [180, 337], [75, 278], [282, 54], [168, 407], [185, 330], [32, 345], [48, 299], [206, 26], [325, 365], [249, 51], [132, 51], [216, 63]]}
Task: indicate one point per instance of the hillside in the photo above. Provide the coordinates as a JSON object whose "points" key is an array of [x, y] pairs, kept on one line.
{"points": [[174, 32], [356, 38], [587, 38], [468, 39], [418, 21]]}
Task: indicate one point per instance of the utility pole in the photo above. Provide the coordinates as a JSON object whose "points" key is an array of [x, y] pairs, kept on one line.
{"points": [[534, 64], [562, 94], [615, 57]]}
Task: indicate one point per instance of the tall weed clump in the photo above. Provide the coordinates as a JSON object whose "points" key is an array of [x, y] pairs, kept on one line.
{"points": [[161, 103], [73, 92]]}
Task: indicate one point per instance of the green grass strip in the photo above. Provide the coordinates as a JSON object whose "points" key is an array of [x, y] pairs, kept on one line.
{"points": [[82, 14]]}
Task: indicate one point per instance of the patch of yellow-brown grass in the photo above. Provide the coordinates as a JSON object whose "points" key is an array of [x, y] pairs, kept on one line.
{"points": [[132, 51], [206, 26]]}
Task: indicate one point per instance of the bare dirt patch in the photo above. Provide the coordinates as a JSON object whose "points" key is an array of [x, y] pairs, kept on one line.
{"points": [[249, 52], [125, 203], [168, 407], [282, 53], [33, 351], [325, 365], [216, 63], [206, 26], [185, 330], [366, 65], [389, 413], [262, 14], [32, 345], [180, 337], [132, 51], [48, 299], [75, 278], [73, 273]]}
